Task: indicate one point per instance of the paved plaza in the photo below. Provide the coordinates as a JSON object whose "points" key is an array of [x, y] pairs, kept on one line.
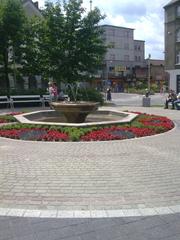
{"points": [[115, 190]]}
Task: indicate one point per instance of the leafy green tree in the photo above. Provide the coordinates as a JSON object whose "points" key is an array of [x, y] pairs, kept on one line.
{"points": [[72, 44], [12, 19], [31, 60]]}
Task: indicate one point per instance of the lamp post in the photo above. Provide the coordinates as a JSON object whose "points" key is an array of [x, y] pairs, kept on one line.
{"points": [[149, 73], [90, 5]]}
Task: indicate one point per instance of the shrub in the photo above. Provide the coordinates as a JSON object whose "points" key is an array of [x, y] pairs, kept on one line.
{"points": [[87, 94]]}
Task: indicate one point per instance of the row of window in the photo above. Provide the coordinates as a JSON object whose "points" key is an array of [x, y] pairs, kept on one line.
{"points": [[126, 46], [137, 48], [126, 58], [178, 11], [178, 35], [113, 32], [178, 58]]}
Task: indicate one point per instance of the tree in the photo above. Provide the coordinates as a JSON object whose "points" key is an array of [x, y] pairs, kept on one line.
{"points": [[12, 19], [31, 62], [72, 44]]}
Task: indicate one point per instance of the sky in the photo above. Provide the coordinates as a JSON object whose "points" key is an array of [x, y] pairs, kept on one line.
{"points": [[145, 17]]}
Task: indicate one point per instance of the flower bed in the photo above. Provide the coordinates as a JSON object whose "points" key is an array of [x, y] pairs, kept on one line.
{"points": [[143, 125], [9, 117]]}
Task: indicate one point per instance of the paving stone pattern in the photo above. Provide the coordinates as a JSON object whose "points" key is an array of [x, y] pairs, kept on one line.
{"points": [[96, 175], [129, 174]]}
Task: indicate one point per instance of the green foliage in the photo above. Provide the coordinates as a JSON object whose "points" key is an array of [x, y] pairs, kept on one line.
{"points": [[32, 47], [9, 118], [154, 88], [137, 90], [72, 44], [76, 133], [12, 21], [87, 94]]}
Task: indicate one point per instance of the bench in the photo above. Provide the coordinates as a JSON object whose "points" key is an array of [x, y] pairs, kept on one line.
{"points": [[5, 100], [26, 99], [47, 99], [170, 104]]}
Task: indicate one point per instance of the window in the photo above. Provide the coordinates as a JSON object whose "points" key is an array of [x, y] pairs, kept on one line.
{"points": [[139, 48], [178, 11], [111, 69], [178, 35], [126, 46], [112, 57], [136, 58], [139, 58], [112, 45], [135, 47], [126, 34], [178, 58], [111, 32], [126, 57]]}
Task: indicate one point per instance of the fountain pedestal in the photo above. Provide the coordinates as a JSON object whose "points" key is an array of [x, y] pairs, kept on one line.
{"points": [[75, 112]]}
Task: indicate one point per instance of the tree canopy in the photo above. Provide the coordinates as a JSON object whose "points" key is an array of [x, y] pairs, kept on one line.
{"points": [[12, 19], [72, 45], [65, 44]]}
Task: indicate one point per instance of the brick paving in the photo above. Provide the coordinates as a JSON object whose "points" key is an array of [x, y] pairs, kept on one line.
{"points": [[95, 175], [130, 174]]}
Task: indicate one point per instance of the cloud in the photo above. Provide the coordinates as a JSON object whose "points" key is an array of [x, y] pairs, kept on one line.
{"points": [[146, 17]]}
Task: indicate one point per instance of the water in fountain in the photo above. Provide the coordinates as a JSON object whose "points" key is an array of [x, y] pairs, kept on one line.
{"points": [[74, 90]]}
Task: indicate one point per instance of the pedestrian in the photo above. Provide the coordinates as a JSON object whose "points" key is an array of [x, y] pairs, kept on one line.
{"points": [[108, 94], [53, 92]]}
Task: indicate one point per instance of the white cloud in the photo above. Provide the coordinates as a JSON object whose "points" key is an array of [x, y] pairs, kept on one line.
{"points": [[146, 17]]}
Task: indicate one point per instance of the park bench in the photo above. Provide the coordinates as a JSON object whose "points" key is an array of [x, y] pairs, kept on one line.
{"points": [[4, 100], [46, 99], [20, 99], [170, 104]]}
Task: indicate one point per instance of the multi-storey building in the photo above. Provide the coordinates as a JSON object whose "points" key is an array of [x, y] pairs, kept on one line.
{"points": [[31, 8], [172, 43], [124, 54]]}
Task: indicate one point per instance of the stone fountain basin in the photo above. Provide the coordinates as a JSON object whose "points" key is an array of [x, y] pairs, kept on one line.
{"points": [[103, 116], [75, 112]]}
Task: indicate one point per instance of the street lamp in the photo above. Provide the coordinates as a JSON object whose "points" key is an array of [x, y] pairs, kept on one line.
{"points": [[149, 73], [90, 5]]}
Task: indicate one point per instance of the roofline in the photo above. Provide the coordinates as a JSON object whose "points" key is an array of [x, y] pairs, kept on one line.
{"points": [[107, 25], [139, 40], [33, 3], [169, 4]]}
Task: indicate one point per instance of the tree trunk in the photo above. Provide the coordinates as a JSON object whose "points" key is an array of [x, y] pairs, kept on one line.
{"points": [[5, 59]]}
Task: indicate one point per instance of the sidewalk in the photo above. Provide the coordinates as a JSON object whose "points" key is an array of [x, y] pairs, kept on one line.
{"points": [[132, 186]]}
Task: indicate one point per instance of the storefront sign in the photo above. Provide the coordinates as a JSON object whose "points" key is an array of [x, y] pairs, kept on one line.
{"points": [[120, 69]]}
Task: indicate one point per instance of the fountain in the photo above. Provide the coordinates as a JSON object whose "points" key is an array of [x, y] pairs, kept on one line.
{"points": [[75, 112]]}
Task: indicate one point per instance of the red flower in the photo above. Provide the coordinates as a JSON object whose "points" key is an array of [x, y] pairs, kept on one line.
{"points": [[157, 121]]}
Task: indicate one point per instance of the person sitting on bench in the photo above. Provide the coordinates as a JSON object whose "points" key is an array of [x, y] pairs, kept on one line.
{"points": [[177, 102], [171, 98]]}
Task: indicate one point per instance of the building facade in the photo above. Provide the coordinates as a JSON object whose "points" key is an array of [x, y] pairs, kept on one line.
{"points": [[123, 55], [172, 43], [31, 8], [158, 75]]}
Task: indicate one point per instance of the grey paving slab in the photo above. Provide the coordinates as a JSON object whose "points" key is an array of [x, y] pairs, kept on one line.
{"points": [[140, 228]]}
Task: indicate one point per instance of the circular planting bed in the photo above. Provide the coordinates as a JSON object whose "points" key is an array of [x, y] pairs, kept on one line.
{"points": [[143, 125]]}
